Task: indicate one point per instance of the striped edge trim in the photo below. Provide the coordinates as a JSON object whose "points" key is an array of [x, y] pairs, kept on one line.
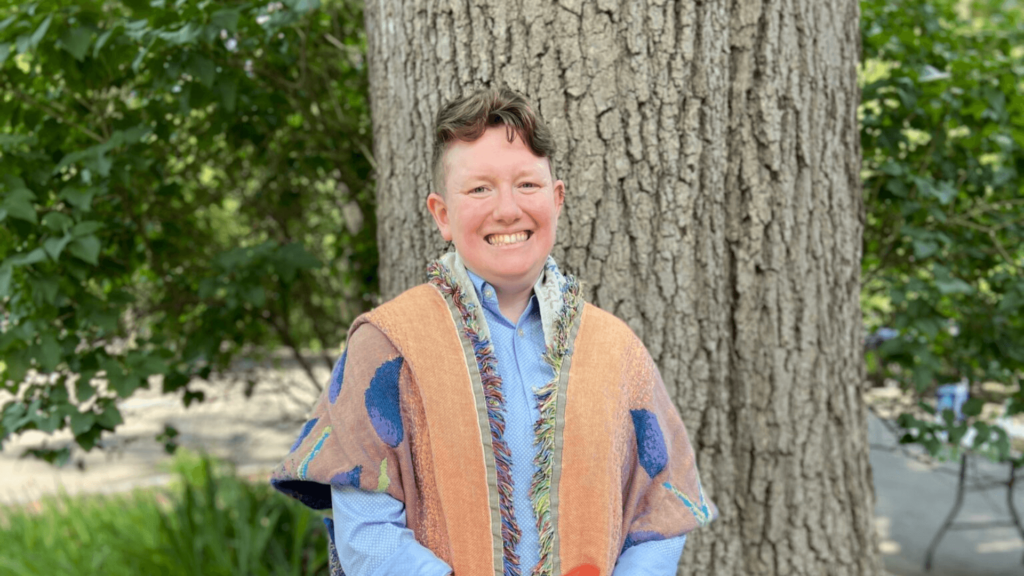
{"points": [[545, 428], [441, 277]]}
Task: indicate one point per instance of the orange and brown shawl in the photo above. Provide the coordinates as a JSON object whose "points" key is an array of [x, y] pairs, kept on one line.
{"points": [[414, 408]]}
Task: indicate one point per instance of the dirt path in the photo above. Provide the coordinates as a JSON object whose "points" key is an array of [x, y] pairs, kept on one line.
{"points": [[253, 433]]}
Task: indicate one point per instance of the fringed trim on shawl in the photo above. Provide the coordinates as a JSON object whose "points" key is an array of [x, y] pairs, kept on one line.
{"points": [[544, 428], [440, 276]]}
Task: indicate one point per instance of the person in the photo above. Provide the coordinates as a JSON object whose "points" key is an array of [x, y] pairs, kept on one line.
{"points": [[489, 420]]}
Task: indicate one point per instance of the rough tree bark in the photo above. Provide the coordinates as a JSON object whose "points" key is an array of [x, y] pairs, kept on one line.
{"points": [[710, 152]]}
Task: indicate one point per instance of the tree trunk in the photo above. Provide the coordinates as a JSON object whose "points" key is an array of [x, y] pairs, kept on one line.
{"points": [[711, 158]]}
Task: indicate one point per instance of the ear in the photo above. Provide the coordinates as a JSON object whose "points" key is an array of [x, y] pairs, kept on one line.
{"points": [[559, 190], [439, 210]]}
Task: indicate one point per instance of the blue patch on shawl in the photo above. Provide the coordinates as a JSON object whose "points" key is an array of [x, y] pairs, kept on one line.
{"points": [[350, 478], [306, 429], [639, 537], [650, 444], [382, 402], [336, 376]]}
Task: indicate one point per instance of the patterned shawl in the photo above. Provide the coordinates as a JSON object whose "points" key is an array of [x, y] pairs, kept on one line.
{"points": [[415, 409]]}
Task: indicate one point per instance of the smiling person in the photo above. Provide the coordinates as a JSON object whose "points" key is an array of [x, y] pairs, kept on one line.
{"points": [[489, 421]]}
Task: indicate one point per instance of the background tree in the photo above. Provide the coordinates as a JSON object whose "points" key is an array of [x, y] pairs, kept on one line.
{"points": [[180, 183], [711, 156]]}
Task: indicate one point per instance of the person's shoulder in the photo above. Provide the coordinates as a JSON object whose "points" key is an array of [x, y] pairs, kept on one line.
{"points": [[417, 312], [606, 323]]}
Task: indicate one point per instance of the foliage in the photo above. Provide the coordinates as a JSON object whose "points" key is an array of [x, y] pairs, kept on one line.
{"points": [[210, 523], [943, 143], [179, 183]]}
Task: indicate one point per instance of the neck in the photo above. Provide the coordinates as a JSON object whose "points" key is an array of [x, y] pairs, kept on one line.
{"points": [[513, 303]]}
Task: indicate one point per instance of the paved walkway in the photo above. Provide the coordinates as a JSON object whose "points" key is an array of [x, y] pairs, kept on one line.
{"points": [[912, 499]]}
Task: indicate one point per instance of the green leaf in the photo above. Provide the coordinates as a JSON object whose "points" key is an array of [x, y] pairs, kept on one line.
{"points": [[5, 51], [973, 407], [137, 29], [228, 93], [110, 418], [57, 221], [203, 69], [54, 246], [81, 422], [184, 35], [943, 191], [226, 19], [137, 62], [150, 365], [254, 295], [18, 363], [49, 352], [45, 289], [17, 206], [7, 22], [925, 248], [5, 280], [953, 286], [24, 259], [102, 40], [931, 74], [87, 440], [76, 42], [86, 248], [117, 379], [40, 32], [86, 227], [303, 6], [23, 44], [79, 198]]}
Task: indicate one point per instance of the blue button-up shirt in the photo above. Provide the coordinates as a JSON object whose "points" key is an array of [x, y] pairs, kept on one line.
{"points": [[370, 531]]}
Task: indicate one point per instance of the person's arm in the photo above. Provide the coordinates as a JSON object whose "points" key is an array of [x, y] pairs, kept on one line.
{"points": [[372, 538], [651, 558]]}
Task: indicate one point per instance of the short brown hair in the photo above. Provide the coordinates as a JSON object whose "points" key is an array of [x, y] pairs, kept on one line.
{"points": [[467, 118]]}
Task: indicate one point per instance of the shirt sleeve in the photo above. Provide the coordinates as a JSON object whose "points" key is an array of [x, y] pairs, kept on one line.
{"points": [[372, 538], [653, 558]]}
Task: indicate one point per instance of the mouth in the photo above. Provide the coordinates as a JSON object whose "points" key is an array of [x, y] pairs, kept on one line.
{"points": [[508, 239]]}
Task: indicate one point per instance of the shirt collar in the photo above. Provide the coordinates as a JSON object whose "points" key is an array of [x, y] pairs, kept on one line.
{"points": [[489, 298]]}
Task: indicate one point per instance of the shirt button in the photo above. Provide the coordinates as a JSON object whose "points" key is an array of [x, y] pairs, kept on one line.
{"points": [[521, 333], [488, 293]]}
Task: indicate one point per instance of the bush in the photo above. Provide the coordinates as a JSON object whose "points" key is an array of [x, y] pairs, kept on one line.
{"points": [[209, 522]]}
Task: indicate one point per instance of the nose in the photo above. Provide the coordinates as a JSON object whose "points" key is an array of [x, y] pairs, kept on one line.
{"points": [[506, 208]]}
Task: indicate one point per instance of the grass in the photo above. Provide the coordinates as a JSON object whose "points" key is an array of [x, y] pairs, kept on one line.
{"points": [[209, 522]]}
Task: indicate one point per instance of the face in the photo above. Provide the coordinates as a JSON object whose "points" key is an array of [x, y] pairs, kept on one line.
{"points": [[500, 208]]}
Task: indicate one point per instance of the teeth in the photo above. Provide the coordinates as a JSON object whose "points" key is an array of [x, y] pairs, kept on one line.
{"points": [[505, 239]]}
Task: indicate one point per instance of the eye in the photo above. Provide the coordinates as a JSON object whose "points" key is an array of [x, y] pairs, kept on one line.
{"points": [[529, 185], [478, 190]]}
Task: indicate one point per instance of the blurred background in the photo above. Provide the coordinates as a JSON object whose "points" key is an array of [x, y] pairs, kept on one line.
{"points": [[188, 229]]}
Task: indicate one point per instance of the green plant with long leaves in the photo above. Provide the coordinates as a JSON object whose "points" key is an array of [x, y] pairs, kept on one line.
{"points": [[180, 183], [208, 521], [943, 143]]}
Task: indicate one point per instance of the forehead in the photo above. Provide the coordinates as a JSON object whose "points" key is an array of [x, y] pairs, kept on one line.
{"points": [[492, 155]]}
